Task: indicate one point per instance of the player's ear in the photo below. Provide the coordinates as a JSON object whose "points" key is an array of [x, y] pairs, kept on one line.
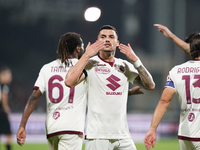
{"points": [[78, 49], [117, 42]]}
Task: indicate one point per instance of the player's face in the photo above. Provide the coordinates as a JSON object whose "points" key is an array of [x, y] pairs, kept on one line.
{"points": [[110, 39], [6, 77]]}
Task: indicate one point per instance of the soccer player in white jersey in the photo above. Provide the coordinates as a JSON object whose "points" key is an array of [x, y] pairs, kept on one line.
{"points": [[108, 79], [66, 107], [184, 80]]}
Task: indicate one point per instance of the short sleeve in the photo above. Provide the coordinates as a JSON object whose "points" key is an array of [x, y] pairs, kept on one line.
{"points": [[40, 82], [131, 72]]}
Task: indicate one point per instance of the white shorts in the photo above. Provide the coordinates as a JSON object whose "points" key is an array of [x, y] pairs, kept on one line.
{"points": [[189, 145], [65, 142], [112, 144]]}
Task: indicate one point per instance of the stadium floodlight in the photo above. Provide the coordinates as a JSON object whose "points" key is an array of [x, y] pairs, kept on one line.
{"points": [[92, 14]]}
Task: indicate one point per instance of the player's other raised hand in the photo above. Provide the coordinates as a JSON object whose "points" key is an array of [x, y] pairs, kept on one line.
{"points": [[163, 29]]}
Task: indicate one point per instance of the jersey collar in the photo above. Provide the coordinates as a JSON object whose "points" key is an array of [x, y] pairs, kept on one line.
{"points": [[110, 63]]}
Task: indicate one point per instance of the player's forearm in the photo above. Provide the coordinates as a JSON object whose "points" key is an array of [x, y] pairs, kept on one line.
{"points": [[145, 77], [182, 44], [74, 74], [158, 114], [30, 106], [26, 114], [162, 106]]}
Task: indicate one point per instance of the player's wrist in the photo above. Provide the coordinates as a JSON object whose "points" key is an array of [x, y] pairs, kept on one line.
{"points": [[87, 55], [172, 36], [153, 128], [22, 127], [137, 63]]}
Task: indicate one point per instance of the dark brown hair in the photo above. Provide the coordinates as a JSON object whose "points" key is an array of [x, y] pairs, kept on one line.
{"points": [[195, 46], [109, 27], [67, 44]]}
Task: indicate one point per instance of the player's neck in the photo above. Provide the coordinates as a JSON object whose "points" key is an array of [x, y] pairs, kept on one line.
{"points": [[72, 56], [107, 56], [198, 58]]}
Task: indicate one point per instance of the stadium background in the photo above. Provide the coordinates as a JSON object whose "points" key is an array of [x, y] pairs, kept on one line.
{"points": [[30, 30]]}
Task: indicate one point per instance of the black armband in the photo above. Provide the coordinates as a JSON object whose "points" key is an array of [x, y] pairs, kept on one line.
{"points": [[85, 73]]}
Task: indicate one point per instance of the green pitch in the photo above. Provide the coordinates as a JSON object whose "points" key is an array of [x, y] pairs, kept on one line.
{"points": [[160, 145], [167, 144]]}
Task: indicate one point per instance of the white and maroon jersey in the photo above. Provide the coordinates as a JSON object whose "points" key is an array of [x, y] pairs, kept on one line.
{"points": [[107, 98], [185, 79], [65, 106]]}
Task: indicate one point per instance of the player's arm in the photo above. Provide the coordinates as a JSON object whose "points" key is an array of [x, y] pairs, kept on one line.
{"points": [[75, 74], [30, 106], [180, 43], [159, 112], [144, 78], [4, 101]]}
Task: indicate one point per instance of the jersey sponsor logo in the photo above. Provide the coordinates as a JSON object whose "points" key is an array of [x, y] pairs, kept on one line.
{"points": [[101, 64], [113, 83], [191, 117], [113, 93], [56, 115], [102, 70], [188, 70], [60, 108], [185, 110]]}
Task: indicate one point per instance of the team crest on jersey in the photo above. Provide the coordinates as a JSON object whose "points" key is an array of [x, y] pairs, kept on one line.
{"points": [[56, 115], [191, 117], [102, 70], [120, 68]]}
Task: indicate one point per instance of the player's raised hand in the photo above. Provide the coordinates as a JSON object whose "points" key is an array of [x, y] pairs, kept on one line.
{"points": [[164, 30], [128, 51], [150, 139], [93, 49], [21, 136]]}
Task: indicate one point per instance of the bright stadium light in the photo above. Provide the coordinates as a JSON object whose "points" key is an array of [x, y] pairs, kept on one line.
{"points": [[92, 14]]}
